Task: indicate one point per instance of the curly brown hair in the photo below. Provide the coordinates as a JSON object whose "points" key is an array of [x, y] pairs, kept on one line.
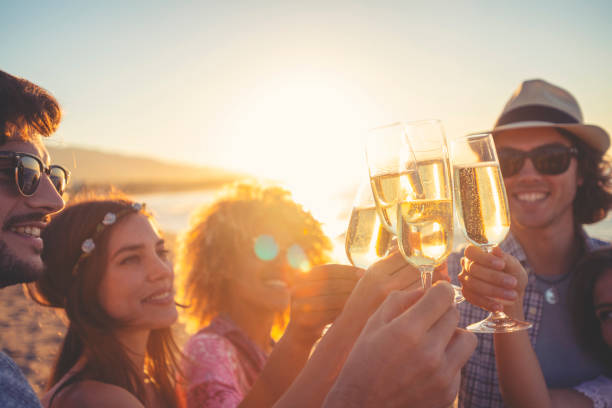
{"points": [[594, 195], [219, 234]]}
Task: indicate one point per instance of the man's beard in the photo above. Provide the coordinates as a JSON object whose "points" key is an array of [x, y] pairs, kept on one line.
{"points": [[13, 270]]}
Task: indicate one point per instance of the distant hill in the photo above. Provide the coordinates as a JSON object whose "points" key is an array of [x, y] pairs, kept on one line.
{"points": [[134, 174]]}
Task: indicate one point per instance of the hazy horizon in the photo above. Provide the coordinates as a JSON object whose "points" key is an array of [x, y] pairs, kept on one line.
{"points": [[286, 90]]}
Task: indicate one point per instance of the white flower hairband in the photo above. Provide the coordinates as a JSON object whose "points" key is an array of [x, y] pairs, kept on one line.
{"points": [[109, 219]]}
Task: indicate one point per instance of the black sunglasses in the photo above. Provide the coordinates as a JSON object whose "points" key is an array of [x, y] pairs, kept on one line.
{"points": [[549, 159], [28, 170]]}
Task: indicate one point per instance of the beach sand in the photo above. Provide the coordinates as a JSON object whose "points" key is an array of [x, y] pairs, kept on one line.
{"points": [[31, 335]]}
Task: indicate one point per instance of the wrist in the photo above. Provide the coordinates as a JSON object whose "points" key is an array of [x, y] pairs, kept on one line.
{"points": [[516, 310], [344, 395], [300, 336]]}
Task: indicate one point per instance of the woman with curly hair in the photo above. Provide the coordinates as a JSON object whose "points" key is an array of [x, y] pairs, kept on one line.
{"points": [[244, 260], [107, 267]]}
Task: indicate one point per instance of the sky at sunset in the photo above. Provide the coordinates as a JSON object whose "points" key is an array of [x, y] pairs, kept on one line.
{"points": [[286, 89]]}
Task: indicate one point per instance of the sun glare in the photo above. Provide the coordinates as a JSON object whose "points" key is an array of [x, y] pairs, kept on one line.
{"points": [[306, 132]]}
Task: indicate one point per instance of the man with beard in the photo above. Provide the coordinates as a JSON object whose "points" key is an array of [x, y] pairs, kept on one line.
{"points": [[30, 190]]}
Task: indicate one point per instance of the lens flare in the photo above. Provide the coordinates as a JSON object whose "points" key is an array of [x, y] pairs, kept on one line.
{"points": [[265, 247], [297, 258]]}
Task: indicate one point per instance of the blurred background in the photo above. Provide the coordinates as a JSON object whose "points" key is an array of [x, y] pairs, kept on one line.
{"points": [[170, 100]]}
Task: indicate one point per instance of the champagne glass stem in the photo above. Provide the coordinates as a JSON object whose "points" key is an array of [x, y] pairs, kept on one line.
{"points": [[498, 317], [426, 276]]}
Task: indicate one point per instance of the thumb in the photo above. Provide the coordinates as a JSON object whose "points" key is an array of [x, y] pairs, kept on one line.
{"points": [[396, 303]]}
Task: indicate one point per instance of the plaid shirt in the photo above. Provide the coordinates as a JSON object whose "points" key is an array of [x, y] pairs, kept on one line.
{"points": [[479, 384]]}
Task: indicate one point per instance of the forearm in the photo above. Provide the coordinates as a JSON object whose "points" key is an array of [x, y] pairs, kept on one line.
{"points": [[320, 372], [283, 365], [521, 380]]}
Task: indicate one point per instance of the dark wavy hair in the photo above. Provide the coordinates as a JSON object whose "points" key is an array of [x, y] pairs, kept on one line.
{"points": [[27, 111], [586, 323], [594, 197], [90, 328]]}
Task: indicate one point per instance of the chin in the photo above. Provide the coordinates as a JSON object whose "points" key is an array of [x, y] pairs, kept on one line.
{"points": [[18, 270], [167, 319], [280, 307]]}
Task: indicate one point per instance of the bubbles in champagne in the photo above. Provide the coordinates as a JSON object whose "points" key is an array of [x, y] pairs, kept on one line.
{"points": [[425, 230], [366, 239], [481, 203]]}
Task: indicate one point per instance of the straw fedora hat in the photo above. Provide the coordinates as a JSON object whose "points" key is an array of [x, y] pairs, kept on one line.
{"points": [[537, 103]]}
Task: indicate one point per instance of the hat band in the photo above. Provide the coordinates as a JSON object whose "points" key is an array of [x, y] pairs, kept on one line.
{"points": [[535, 113]]}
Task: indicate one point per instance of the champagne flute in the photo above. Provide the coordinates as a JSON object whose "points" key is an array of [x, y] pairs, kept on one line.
{"points": [[383, 145], [425, 213], [482, 207], [367, 240]]}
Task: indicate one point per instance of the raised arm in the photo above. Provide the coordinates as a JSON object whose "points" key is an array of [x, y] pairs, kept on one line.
{"points": [[409, 354], [318, 376], [487, 280], [317, 299]]}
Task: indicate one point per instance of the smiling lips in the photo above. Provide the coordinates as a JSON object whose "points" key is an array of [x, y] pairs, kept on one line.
{"points": [[160, 297], [27, 230], [276, 283], [531, 197]]}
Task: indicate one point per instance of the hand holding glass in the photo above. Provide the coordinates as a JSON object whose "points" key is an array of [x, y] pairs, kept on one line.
{"points": [[482, 207]]}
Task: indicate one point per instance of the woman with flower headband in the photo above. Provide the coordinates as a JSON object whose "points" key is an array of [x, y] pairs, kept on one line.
{"points": [[108, 268], [245, 258]]}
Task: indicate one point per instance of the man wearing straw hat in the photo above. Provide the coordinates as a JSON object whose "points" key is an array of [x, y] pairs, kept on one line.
{"points": [[557, 179]]}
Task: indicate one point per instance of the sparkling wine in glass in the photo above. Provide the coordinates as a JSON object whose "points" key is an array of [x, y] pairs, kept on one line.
{"points": [[367, 240], [425, 213], [482, 208], [383, 147]]}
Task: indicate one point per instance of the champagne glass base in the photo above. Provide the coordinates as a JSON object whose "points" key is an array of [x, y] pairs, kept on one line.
{"points": [[498, 323]]}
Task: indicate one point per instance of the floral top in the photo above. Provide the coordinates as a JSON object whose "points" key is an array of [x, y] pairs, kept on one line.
{"points": [[221, 365]]}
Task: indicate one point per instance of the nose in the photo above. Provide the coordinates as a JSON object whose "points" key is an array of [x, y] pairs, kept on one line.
{"points": [[528, 170], [282, 264], [160, 269], [46, 198]]}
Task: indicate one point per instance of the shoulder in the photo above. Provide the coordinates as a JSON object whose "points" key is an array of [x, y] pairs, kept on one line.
{"points": [[598, 390], [206, 343], [8, 368], [95, 394], [212, 371], [15, 391], [209, 356], [207, 340]]}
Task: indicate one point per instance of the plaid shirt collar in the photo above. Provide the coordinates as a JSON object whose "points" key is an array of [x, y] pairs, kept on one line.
{"points": [[511, 246]]}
